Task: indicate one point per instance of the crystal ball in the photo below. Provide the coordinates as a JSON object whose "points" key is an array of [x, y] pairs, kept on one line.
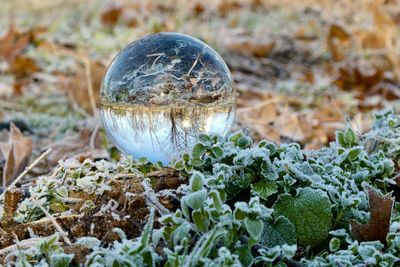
{"points": [[161, 92]]}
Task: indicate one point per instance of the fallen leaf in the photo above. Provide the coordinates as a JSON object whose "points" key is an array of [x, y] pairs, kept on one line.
{"points": [[23, 66], [18, 155], [227, 6], [111, 16], [13, 42], [197, 8], [77, 85], [378, 226], [352, 78], [251, 47], [11, 199], [368, 39], [334, 41], [79, 146]]}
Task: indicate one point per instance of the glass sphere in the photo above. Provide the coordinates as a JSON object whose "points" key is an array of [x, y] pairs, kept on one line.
{"points": [[161, 92]]}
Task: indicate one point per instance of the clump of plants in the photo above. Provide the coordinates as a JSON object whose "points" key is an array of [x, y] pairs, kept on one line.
{"points": [[245, 204]]}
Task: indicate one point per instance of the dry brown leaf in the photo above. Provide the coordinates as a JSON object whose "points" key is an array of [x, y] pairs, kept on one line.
{"points": [[111, 16], [78, 147], [11, 199], [13, 42], [198, 8], [18, 156], [354, 79], [77, 86], [378, 226], [334, 41], [290, 127], [251, 47], [370, 39], [227, 6], [23, 66]]}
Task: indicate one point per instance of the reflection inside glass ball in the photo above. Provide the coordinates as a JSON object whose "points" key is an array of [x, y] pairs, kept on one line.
{"points": [[161, 92]]}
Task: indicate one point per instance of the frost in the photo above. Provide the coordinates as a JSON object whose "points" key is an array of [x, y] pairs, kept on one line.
{"points": [[89, 242], [278, 232], [244, 204], [310, 212]]}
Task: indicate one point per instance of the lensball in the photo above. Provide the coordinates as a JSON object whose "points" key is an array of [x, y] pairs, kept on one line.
{"points": [[161, 92]]}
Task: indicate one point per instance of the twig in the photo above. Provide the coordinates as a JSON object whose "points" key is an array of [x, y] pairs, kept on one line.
{"points": [[90, 84], [125, 176], [194, 64], [76, 107], [27, 243], [160, 173], [16, 180], [56, 225], [93, 137], [152, 199]]}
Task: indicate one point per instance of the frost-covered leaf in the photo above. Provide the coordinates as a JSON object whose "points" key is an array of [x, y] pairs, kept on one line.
{"points": [[279, 232], [310, 212], [61, 260], [254, 227], [217, 151], [195, 200], [245, 256], [378, 226], [264, 189], [196, 181], [334, 244], [198, 150], [201, 219]]}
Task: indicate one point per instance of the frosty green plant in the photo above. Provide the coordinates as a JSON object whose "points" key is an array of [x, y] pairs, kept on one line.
{"points": [[246, 204]]}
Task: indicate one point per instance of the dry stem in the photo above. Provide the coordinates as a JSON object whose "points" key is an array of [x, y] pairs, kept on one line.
{"points": [[16, 180], [90, 84], [56, 225]]}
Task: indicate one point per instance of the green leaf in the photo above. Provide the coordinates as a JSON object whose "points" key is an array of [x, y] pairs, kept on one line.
{"points": [[188, 169], [215, 195], [353, 153], [186, 157], [234, 138], [280, 232], [197, 162], [349, 137], [264, 189], [143, 160], [199, 150], [268, 145], [196, 199], [179, 165], [217, 151], [340, 138], [196, 181], [61, 260], [241, 211], [180, 233], [204, 138], [245, 256], [310, 212], [244, 142], [254, 227], [268, 171], [201, 219], [334, 244]]}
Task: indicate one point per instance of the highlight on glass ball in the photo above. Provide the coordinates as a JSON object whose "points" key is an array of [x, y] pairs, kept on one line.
{"points": [[161, 92]]}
